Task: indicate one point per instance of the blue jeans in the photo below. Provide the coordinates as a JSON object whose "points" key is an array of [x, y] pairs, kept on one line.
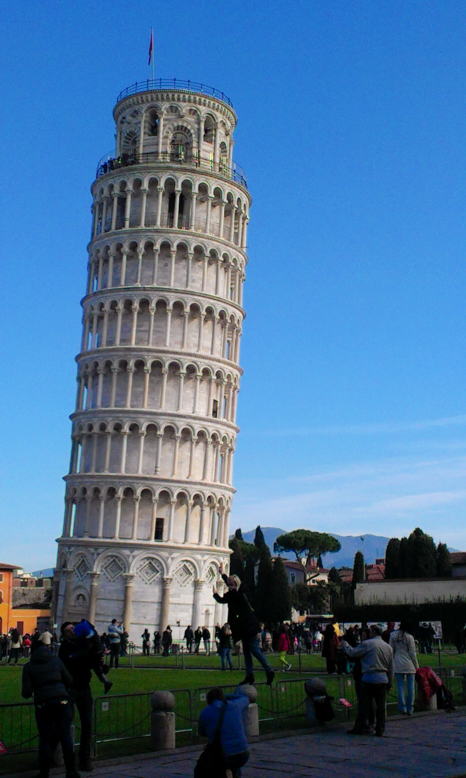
{"points": [[405, 704], [225, 657], [251, 648]]}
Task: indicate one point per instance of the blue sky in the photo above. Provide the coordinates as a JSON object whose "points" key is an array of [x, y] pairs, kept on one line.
{"points": [[352, 129]]}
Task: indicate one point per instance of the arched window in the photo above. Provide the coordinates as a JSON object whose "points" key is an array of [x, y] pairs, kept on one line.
{"points": [[180, 146], [152, 123]]}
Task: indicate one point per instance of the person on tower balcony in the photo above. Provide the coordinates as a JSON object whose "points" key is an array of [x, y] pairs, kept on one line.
{"points": [[244, 626]]}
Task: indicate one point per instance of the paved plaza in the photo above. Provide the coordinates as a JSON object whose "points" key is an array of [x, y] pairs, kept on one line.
{"points": [[424, 745]]}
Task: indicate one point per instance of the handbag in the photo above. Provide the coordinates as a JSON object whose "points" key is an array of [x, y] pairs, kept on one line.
{"points": [[211, 763]]}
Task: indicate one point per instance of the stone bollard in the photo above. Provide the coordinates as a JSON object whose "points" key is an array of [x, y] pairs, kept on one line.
{"points": [[251, 714], [162, 721]]}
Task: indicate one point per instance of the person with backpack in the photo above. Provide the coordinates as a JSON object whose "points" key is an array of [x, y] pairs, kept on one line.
{"points": [[405, 665], [244, 625], [222, 723]]}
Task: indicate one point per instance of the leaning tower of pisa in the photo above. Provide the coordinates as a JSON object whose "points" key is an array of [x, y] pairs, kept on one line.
{"points": [[149, 491]]}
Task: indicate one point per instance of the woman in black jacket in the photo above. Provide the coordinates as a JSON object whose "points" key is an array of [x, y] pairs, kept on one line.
{"points": [[46, 678], [244, 626]]}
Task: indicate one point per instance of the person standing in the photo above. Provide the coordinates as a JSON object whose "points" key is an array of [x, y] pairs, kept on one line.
{"points": [[81, 652], [405, 665], [46, 679], [244, 625], [167, 640], [114, 633], [156, 642], [377, 678], [330, 644], [189, 637], [224, 646], [197, 640], [145, 642], [16, 645], [283, 647], [206, 639]]}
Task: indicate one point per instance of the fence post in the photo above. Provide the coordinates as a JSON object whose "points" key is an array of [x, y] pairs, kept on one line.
{"points": [[162, 721], [182, 657], [251, 714], [299, 660]]}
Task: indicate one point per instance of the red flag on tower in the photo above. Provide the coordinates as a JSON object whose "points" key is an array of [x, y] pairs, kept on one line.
{"points": [[151, 46]]}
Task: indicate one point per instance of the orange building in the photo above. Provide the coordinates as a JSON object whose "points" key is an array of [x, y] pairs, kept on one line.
{"points": [[24, 619]]}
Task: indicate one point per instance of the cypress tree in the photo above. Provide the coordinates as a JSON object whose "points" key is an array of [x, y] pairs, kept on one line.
{"points": [[238, 534], [392, 559], [264, 606], [405, 568], [249, 579], [280, 596], [358, 569], [335, 588], [236, 559], [421, 555], [259, 540], [443, 561]]}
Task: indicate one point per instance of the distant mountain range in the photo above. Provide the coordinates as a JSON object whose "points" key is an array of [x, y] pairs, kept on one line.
{"points": [[372, 546], [46, 573]]}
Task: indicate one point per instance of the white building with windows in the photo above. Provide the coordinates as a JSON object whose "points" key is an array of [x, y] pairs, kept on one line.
{"points": [[150, 486]]}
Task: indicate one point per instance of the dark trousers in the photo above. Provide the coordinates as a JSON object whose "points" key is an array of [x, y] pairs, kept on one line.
{"points": [[372, 693], [114, 654], [83, 703], [54, 724], [236, 762]]}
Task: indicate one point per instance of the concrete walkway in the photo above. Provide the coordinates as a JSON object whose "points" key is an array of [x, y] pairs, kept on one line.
{"points": [[423, 746]]}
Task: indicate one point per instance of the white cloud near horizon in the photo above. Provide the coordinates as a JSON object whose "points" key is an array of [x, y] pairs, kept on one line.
{"points": [[364, 429]]}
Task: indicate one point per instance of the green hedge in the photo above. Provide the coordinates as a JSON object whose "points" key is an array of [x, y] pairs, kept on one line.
{"points": [[451, 614]]}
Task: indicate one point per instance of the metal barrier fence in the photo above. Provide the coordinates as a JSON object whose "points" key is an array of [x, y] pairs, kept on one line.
{"points": [[126, 717], [120, 717]]}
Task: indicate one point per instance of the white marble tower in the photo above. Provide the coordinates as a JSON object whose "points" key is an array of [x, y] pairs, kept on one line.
{"points": [[149, 491]]}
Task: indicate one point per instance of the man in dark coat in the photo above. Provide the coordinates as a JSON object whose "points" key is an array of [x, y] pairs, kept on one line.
{"points": [[244, 626], [167, 640], [189, 637], [81, 652], [46, 677]]}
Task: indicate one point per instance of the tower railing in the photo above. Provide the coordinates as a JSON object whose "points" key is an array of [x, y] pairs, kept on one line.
{"points": [[173, 83], [111, 162]]}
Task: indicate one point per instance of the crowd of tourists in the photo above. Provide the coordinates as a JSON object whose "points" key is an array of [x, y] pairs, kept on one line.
{"points": [[59, 672]]}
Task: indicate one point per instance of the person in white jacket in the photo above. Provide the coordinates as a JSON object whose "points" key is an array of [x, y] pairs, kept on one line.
{"points": [[405, 665]]}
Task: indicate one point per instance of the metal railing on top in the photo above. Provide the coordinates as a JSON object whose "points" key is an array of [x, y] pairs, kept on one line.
{"points": [[173, 83], [111, 162]]}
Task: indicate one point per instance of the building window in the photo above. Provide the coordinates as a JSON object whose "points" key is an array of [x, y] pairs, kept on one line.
{"points": [[293, 578], [215, 409], [1, 577], [158, 529]]}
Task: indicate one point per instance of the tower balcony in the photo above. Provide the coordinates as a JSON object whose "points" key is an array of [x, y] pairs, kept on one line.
{"points": [[170, 84], [180, 159]]}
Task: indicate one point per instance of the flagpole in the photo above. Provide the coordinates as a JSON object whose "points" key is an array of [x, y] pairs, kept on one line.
{"points": [[152, 38]]}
